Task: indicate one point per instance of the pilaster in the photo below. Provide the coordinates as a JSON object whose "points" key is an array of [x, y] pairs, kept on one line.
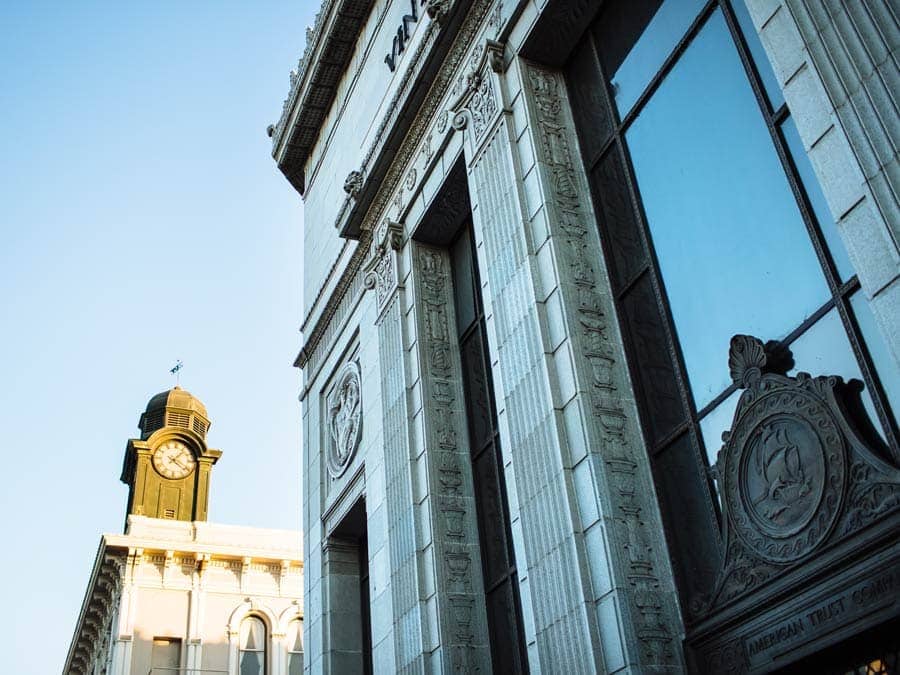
{"points": [[561, 629], [617, 523], [445, 486], [383, 277]]}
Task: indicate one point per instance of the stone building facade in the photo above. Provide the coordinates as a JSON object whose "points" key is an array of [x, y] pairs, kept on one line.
{"points": [[559, 324], [174, 594]]}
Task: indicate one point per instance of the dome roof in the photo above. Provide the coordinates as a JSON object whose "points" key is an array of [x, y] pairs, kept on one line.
{"points": [[174, 408]]}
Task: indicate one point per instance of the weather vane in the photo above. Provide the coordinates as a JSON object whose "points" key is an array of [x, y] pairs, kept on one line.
{"points": [[176, 371]]}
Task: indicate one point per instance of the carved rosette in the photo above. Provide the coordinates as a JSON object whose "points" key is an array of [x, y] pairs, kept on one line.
{"points": [[569, 223], [344, 417], [794, 474], [381, 270]]}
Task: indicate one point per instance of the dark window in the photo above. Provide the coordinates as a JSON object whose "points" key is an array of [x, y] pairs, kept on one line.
{"points": [[252, 659], [712, 224], [295, 647], [501, 581]]}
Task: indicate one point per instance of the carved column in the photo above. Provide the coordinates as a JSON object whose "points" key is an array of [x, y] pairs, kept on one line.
{"points": [[623, 492], [554, 583], [383, 277], [571, 427], [454, 529]]}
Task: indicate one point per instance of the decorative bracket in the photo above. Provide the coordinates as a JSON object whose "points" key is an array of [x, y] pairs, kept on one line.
{"points": [[381, 273]]}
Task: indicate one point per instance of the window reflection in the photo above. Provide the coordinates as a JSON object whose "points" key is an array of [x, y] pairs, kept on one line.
{"points": [[658, 40], [717, 421], [733, 250], [825, 350], [817, 200], [760, 59], [885, 364]]}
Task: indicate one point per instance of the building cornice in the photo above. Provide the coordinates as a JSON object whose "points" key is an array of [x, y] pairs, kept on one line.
{"points": [[329, 46], [384, 167]]}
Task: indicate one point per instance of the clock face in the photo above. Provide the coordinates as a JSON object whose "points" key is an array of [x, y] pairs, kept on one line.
{"points": [[173, 459]]}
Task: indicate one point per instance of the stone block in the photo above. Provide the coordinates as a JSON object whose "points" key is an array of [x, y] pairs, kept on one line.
{"points": [[381, 617], [870, 247], [565, 373], [383, 656], [837, 171], [556, 320], [573, 423], [762, 10], [523, 27], [583, 480], [611, 638], [534, 196], [539, 229], [546, 274], [809, 105], [598, 560], [427, 572], [783, 44], [519, 115], [525, 150]]}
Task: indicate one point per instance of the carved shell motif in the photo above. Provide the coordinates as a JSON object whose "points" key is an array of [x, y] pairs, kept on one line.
{"points": [[746, 359]]}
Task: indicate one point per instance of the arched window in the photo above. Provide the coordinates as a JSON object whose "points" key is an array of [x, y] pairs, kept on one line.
{"points": [[295, 647], [252, 659]]}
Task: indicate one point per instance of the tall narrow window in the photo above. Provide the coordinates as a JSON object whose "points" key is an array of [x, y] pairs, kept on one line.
{"points": [[295, 647], [713, 224], [501, 581], [252, 659]]}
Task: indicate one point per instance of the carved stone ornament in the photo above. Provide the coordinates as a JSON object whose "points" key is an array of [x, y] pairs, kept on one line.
{"points": [[353, 184], [794, 472], [344, 419], [381, 270]]}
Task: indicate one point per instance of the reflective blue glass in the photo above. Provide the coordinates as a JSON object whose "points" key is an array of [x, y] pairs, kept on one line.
{"points": [[885, 364], [732, 247], [716, 421], [760, 59], [662, 34], [817, 200], [825, 350]]}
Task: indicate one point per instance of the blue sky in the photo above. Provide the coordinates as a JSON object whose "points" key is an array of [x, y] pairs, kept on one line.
{"points": [[142, 220]]}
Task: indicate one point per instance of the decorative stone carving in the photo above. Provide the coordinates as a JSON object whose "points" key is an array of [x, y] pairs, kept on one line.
{"points": [[483, 106], [652, 623], [381, 271], [793, 472], [455, 529], [344, 419], [495, 21], [353, 184], [438, 10], [443, 121]]}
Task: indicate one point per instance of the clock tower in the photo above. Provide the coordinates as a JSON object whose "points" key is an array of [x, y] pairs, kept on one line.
{"points": [[167, 469]]}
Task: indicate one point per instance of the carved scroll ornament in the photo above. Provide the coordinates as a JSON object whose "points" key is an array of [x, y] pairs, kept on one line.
{"points": [[344, 419]]}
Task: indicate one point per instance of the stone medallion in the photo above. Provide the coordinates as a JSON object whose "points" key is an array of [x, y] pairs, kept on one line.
{"points": [[785, 466], [344, 419]]}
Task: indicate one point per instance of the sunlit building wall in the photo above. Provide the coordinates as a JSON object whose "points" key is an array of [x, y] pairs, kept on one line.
{"points": [[600, 346]]}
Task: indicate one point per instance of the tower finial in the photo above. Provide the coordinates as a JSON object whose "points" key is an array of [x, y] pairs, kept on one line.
{"points": [[176, 371]]}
